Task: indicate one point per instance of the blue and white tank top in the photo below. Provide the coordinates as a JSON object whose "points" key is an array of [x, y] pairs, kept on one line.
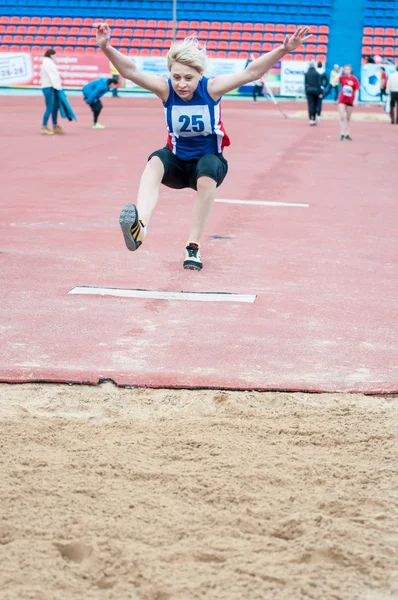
{"points": [[194, 126]]}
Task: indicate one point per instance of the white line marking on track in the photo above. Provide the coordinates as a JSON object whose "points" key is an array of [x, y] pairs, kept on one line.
{"points": [[149, 295], [263, 203]]}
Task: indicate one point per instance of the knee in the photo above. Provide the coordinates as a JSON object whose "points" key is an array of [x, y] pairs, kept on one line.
{"points": [[206, 185], [155, 166]]}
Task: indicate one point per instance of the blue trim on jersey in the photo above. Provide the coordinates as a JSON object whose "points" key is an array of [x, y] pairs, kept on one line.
{"points": [[188, 146]]}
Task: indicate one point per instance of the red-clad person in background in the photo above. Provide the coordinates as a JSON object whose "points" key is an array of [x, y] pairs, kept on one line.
{"points": [[383, 84], [347, 100]]}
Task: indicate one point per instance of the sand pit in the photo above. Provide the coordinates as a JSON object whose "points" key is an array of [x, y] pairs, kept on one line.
{"points": [[175, 495]]}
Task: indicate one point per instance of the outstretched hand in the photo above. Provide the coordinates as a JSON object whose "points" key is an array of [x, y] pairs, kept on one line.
{"points": [[103, 34], [299, 37]]}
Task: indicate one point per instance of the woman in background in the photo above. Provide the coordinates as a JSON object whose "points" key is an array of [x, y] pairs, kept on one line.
{"points": [[347, 100], [51, 85]]}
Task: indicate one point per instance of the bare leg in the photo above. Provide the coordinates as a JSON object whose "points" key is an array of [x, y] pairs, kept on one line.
{"points": [[348, 124], [343, 114], [148, 192], [202, 207]]}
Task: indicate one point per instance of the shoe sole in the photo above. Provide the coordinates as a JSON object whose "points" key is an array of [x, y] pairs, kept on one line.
{"points": [[192, 266], [128, 219]]}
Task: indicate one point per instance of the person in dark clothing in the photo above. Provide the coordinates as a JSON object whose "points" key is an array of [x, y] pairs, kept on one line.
{"points": [[313, 90], [324, 83], [258, 89], [93, 91]]}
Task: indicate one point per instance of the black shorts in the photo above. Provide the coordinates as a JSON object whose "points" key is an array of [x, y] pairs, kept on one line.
{"points": [[180, 173]]}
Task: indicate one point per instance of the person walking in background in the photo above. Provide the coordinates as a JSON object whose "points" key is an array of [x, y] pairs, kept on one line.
{"points": [[392, 89], [115, 75], [51, 85], [313, 91], [258, 89], [347, 100], [324, 82], [333, 83], [383, 85], [93, 91]]}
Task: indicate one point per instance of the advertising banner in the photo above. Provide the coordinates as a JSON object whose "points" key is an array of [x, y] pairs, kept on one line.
{"points": [[156, 65], [15, 69], [23, 70], [292, 77], [370, 81]]}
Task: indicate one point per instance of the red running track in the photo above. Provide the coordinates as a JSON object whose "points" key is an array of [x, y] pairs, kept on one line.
{"points": [[325, 317]]}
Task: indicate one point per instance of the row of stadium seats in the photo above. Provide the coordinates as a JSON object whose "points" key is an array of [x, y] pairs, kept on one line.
{"points": [[380, 3], [378, 51], [276, 6], [379, 41], [69, 38], [52, 41], [69, 50], [149, 43], [256, 36], [162, 24], [381, 31], [146, 43]]}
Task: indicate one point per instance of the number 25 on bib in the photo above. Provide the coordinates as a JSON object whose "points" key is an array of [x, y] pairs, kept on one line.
{"points": [[189, 121]]}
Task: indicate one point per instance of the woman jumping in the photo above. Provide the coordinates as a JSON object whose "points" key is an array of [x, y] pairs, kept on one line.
{"points": [[193, 155], [347, 100]]}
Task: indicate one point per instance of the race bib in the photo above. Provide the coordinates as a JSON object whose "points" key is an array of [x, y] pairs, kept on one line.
{"points": [[189, 121], [347, 90]]}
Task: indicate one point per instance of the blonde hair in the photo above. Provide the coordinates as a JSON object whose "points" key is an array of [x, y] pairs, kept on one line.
{"points": [[189, 52]]}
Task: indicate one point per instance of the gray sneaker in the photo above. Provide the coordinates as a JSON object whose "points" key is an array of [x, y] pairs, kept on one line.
{"points": [[132, 228]]}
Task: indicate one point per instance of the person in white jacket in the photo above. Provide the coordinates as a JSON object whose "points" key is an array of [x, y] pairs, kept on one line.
{"points": [[50, 84]]}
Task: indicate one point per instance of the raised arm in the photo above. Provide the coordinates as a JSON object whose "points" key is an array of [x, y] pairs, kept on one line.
{"points": [[256, 69], [127, 69]]}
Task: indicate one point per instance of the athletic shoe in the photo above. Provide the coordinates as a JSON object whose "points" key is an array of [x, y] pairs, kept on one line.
{"points": [[98, 126], [342, 137], [132, 228], [46, 131], [58, 130], [347, 137], [192, 257], [312, 123]]}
